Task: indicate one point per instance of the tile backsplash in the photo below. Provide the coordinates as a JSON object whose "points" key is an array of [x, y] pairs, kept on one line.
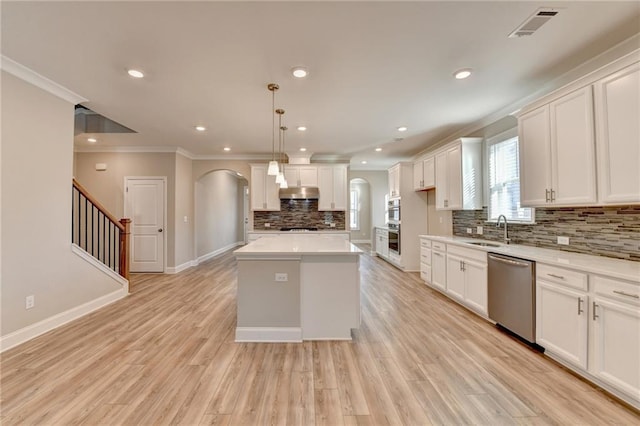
{"points": [[299, 213], [604, 231]]}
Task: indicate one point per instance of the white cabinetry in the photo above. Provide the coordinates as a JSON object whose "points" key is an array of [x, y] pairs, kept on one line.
{"points": [[301, 176], [394, 181], [467, 277], [424, 173], [332, 184], [382, 242], [264, 190], [458, 175], [616, 334], [425, 259], [557, 152], [618, 136], [439, 265], [562, 313]]}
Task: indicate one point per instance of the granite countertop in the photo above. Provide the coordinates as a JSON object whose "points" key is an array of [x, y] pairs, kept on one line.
{"points": [[320, 231], [615, 268], [299, 244]]}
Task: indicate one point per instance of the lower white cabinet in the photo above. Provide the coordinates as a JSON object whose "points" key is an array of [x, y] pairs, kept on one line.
{"points": [[455, 277], [425, 259], [382, 243], [438, 269], [467, 277], [562, 321]]}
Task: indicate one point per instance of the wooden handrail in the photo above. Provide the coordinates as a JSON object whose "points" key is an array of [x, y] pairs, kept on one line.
{"points": [[100, 207], [124, 248]]}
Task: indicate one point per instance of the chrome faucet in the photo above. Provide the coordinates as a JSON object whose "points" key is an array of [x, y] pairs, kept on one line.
{"points": [[506, 235]]}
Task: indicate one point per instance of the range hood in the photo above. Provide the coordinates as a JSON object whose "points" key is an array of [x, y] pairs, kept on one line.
{"points": [[303, 193]]}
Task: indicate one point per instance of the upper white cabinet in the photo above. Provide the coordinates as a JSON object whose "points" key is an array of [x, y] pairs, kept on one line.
{"points": [[618, 136], [458, 175], [301, 176], [424, 173], [332, 184], [264, 190], [394, 181], [557, 152]]}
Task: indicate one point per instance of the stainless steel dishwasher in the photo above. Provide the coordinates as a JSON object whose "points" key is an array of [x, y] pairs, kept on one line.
{"points": [[511, 292]]}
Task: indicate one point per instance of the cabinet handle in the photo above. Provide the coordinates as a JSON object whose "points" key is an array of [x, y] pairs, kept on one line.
{"points": [[461, 265], [622, 293], [553, 196], [580, 310], [560, 277], [546, 195], [437, 254], [446, 203], [595, 305], [464, 266]]}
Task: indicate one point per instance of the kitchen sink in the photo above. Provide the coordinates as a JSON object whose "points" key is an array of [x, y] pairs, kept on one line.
{"points": [[483, 244]]}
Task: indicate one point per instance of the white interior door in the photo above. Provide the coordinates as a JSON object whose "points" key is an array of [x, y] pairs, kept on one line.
{"points": [[145, 206]]}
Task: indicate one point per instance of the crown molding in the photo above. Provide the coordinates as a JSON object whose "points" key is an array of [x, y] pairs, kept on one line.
{"points": [[30, 76], [172, 150]]}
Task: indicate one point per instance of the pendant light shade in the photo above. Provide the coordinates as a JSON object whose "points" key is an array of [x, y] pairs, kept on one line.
{"points": [[280, 178], [273, 164]]}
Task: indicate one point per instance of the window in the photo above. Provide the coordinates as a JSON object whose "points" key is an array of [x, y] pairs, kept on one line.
{"points": [[354, 211], [504, 180]]}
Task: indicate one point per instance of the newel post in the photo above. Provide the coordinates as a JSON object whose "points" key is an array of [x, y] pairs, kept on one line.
{"points": [[124, 248]]}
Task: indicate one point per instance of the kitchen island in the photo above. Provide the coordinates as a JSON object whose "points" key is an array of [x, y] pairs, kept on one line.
{"points": [[297, 287]]}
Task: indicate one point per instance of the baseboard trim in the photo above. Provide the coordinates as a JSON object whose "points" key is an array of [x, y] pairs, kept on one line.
{"points": [[180, 268], [25, 334], [268, 334], [218, 252], [85, 255]]}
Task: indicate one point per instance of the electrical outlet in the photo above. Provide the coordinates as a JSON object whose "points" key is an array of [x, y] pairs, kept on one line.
{"points": [[479, 230], [469, 231], [30, 302], [282, 276], [563, 240], [332, 225], [186, 219], [267, 225]]}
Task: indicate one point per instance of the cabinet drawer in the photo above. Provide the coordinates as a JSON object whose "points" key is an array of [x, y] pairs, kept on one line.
{"points": [[425, 255], [425, 272], [469, 253], [623, 291], [425, 243], [437, 245], [569, 278]]}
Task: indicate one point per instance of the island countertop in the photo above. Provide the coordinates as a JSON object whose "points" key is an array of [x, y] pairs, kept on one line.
{"points": [[299, 245]]}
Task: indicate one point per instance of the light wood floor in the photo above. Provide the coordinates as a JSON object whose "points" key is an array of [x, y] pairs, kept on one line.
{"points": [[166, 355]]}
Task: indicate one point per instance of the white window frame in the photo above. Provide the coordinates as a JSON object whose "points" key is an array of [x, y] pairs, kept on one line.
{"points": [[354, 213], [489, 142]]}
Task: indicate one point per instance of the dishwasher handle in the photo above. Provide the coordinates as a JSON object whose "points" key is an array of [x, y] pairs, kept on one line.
{"points": [[509, 261]]}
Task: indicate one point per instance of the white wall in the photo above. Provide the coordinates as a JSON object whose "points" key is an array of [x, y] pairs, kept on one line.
{"points": [[183, 247], [218, 206], [37, 162]]}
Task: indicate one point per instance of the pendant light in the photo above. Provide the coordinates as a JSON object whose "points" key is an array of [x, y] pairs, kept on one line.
{"points": [[284, 183], [280, 176], [273, 164]]}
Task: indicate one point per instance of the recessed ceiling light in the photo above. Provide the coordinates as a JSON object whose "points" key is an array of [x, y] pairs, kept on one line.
{"points": [[201, 128], [398, 139], [378, 149], [463, 73], [363, 162], [92, 140], [303, 149], [135, 73], [302, 128], [226, 148], [403, 129], [299, 72]]}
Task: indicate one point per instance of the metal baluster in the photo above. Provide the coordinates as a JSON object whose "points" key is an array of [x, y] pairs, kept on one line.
{"points": [[85, 222]]}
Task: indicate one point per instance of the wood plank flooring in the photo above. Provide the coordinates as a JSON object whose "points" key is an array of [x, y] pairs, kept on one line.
{"points": [[166, 355]]}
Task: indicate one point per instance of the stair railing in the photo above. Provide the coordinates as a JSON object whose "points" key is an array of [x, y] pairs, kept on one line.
{"points": [[98, 232]]}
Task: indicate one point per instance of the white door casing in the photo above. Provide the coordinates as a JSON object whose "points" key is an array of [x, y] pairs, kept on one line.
{"points": [[145, 205]]}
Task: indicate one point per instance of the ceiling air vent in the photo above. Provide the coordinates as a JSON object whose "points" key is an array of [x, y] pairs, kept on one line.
{"points": [[533, 22]]}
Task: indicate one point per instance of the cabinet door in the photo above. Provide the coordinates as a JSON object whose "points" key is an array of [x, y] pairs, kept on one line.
{"points": [[292, 175], [616, 345], [442, 190], [475, 286], [618, 136], [429, 172], [394, 181], [325, 186], [535, 153], [573, 167], [439, 270], [454, 178], [308, 176], [455, 277], [418, 179], [339, 188], [561, 322], [378, 244], [385, 246]]}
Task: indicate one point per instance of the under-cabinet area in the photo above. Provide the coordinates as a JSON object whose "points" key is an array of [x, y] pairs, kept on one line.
{"points": [[587, 308]]}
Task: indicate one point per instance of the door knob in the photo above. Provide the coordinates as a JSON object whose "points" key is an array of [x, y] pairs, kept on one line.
{"points": [[160, 230]]}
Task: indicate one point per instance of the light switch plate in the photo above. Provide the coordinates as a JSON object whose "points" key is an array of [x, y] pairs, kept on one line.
{"points": [[563, 240], [282, 276], [267, 225], [469, 231], [479, 230]]}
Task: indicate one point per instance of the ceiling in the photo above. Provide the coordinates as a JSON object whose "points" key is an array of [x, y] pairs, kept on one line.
{"points": [[373, 66]]}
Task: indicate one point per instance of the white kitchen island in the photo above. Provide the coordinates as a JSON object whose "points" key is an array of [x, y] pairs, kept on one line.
{"points": [[297, 287]]}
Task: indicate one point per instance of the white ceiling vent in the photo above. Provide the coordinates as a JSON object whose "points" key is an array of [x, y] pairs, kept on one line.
{"points": [[535, 21]]}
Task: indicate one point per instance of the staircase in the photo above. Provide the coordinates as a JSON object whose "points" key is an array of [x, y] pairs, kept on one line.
{"points": [[98, 232]]}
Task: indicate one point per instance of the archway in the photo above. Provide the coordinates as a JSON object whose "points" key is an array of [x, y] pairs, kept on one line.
{"points": [[360, 224]]}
